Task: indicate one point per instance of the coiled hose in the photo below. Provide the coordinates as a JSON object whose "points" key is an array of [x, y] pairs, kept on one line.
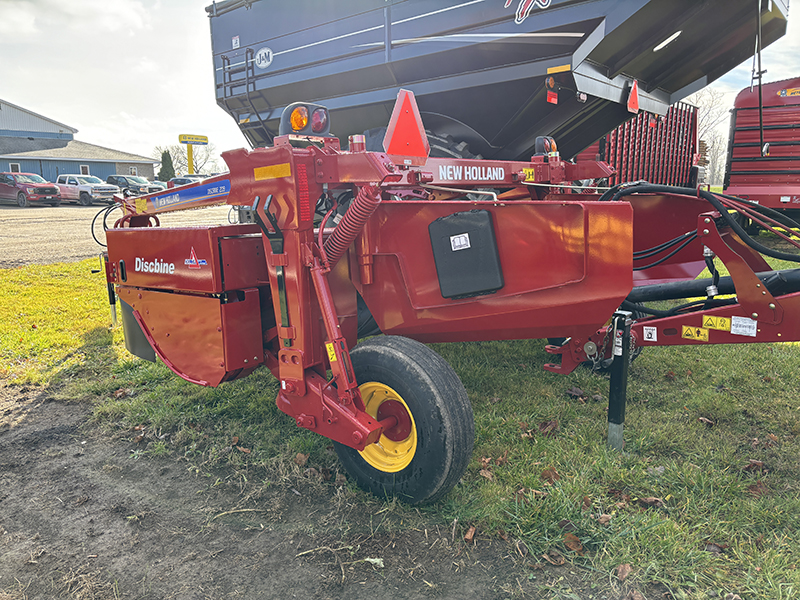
{"points": [[352, 223]]}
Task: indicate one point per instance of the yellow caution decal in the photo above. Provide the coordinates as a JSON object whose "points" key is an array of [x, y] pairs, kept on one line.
{"points": [[718, 323], [698, 334], [530, 174], [331, 352]]}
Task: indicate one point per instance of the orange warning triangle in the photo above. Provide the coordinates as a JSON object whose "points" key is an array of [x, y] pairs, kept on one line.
{"points": [[633, 98], [405, 135]]}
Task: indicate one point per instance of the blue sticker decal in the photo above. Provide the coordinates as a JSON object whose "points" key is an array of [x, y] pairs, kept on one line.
{"points": [[179, 195]]}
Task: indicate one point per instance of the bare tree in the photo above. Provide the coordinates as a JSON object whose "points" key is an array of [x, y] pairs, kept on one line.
{"points": [[203, 157], [712, 127]]}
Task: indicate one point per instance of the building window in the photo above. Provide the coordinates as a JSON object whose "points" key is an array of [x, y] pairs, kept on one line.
{"points": [[14, 167], [85, 170], [132, 171]]}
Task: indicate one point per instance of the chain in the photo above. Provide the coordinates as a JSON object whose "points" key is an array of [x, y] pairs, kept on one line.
{"points": [[597, 357]]}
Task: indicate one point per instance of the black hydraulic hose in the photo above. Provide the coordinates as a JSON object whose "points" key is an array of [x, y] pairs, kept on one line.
{"points": [[105, 211], [709, 197], [668, 256], [631, 306], [780, 217], [661, 247]]}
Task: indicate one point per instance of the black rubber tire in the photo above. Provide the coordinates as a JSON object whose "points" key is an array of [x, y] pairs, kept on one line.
{"points": [[22, 200], [85, 199], [442, 416], [55, 203]]}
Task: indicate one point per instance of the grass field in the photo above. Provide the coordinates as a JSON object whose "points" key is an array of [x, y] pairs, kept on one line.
{"points": [[705, 498]]}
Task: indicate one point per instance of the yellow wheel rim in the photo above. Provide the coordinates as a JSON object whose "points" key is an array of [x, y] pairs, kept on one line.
{"points": [[387, 455]]}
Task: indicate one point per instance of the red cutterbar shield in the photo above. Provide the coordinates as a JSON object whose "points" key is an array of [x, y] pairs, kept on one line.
{"points": [[405, 135]]}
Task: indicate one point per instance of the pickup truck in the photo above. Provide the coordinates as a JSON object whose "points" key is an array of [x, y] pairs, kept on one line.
{"points": [[85, 189]]}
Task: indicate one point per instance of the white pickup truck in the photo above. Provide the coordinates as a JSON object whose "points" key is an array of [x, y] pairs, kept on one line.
{"points": [[85, 189]]}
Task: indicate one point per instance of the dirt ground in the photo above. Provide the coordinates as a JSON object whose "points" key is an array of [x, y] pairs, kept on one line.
{"points": [[83, 516]]}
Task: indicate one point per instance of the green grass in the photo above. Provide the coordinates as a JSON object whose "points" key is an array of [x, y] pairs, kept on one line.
{"points": [[707, 499]]}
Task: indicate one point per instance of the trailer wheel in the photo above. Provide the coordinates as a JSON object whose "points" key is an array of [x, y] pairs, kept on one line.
{"points": [[22, 200], [426, 453], [85, 199]]}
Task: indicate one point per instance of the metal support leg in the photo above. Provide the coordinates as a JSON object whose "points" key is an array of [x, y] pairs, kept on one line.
{"points": [[618, 388]]}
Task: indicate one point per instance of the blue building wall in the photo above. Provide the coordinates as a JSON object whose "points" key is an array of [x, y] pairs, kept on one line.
{"points": [[51, 169]]}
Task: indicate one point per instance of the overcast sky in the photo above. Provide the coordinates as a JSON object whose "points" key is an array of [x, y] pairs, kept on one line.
{"points": [[134, 74]]}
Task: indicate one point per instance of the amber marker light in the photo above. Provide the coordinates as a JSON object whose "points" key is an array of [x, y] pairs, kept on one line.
{"points": [[299, 118]]}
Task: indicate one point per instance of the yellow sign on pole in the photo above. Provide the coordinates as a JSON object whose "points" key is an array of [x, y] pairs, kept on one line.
{"points": [[191, 141], [187, 138]]}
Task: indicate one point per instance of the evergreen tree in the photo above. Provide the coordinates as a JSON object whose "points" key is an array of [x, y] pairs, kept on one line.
{"points": [[167, 171]]}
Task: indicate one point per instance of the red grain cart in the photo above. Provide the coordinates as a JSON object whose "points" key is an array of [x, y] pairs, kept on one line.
{"points": [[349, 242]]}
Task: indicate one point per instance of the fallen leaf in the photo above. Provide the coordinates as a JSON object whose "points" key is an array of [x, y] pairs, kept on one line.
{"points": [[705, 421], [554, 557], [140, 428], [34, 326], [340, 479], [485, 461], [714, 548], [138, 439], [572, 542], [773, 437], [754, 465], [122, 393], [522, 425], [604, 519], [487, 473], [623, 571], [767, 379], [567, 525], [494, 400], [586, 504], [502, 535], [468, 537], [375, 562], [757, 490], [669, 376], [522, 548], [312, 472], [754, 443], [651, 502], [598, 398], [502, 460], [731, 596], [301, 459], [235, 441], [244, 450], [633, 595], [575, 392], [550, 475], [548, 428], [326, 474]]}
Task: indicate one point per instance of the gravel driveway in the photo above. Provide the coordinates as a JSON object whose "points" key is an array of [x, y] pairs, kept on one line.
{"points": [[42, 235]]}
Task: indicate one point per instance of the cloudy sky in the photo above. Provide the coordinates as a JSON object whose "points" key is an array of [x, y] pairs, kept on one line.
{"points": [[134, 74]]}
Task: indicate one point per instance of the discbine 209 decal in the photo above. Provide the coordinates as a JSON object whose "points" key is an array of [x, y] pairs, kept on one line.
{"points": [[525, 7]]}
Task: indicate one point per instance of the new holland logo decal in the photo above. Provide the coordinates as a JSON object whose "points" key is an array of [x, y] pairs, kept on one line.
{"points": [[193, 262]]}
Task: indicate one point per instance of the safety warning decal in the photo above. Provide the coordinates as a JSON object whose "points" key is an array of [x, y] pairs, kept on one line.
{"points": [[699, 334], [650, 334], [718, 323], [331, 352], [530, 174]]}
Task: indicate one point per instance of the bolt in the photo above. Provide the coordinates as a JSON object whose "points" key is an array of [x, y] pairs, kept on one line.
{"points": [[705, 231], [319, 162], [357, 437], [772, 306], [754, 315], [707, 220], [219, 328], [245, 361], [289, 387]]}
